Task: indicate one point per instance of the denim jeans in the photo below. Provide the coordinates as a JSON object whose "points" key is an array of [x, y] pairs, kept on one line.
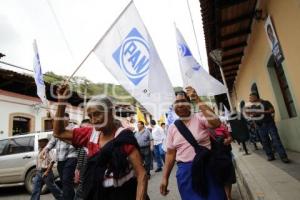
{"points": [[66, 170], [159, 155], [267, 130], [49, 181]]}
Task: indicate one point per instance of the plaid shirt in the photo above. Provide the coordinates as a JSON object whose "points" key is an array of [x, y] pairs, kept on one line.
{"points": [[63, 149], [44, 162]]}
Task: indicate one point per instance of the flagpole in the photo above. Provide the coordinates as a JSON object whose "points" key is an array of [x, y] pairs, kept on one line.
{"points": [[178, 55], [99, 41], [198, 49]]}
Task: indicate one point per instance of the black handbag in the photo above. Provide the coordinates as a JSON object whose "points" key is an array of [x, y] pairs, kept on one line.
{"points": [[220, 161]]}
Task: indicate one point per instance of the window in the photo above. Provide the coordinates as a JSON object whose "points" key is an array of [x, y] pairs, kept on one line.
{"points": [[21, 125], [48, 124], [281, 81], [21, 145], [3, 146]]}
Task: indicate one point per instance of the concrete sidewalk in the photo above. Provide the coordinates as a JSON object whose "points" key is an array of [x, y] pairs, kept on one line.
{"points": [[263, 180]]}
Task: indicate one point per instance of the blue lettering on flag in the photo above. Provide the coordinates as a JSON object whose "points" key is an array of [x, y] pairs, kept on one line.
{"points": [[184, 50], [132, 56], [196, 67], [38, 71]]}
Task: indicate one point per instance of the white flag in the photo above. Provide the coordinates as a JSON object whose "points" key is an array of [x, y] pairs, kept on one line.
{"points": [[129, 54], [38, 75], [172, 116], [226, 114], [193, 74]]}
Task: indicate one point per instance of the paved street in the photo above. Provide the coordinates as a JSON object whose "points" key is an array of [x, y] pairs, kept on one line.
{"points": [[19, 193]]}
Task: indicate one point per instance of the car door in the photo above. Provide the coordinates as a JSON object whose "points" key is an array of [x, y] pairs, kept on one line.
{"points": [[18, 155], [3, 150]]}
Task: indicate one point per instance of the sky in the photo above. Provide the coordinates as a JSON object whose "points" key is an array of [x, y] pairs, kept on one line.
{"points": [[67, 30]]}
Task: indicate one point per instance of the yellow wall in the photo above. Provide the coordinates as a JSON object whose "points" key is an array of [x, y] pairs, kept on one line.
{"points": [[285, 15]]}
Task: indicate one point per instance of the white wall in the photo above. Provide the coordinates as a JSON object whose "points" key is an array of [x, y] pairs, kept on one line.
{"points": [[24, 104]]}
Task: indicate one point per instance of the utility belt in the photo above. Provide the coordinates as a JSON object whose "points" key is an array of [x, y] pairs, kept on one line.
{"points": [[181, 162]]}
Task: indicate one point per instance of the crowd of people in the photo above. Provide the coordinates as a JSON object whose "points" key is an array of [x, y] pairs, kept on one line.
{"points": [[110, 159]]}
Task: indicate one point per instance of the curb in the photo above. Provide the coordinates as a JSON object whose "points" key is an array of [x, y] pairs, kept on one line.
{"points": [[258, 179]]}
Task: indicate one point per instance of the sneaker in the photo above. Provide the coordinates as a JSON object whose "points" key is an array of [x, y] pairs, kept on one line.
{"points": [[285, 160], [271, 158], [158, 170]]}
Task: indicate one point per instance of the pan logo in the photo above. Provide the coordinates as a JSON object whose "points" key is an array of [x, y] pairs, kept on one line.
{"points": [[184, 50], [196, 67], [133, 56], [38, 71]]}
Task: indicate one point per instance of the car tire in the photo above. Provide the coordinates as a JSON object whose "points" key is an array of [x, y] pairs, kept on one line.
{"points": [[29, 182]]}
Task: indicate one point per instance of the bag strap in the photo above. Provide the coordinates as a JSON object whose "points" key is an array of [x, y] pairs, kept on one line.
{"points": [[186, 133]]}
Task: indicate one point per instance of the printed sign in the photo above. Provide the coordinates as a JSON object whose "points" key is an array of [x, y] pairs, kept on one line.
{"points": [[273, 41]]}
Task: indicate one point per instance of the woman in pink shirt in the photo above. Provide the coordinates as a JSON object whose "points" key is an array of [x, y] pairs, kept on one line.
{"points": [[180, 150]]}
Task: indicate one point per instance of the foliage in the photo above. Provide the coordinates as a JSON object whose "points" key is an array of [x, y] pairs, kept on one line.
{"points": [[79, 84]]}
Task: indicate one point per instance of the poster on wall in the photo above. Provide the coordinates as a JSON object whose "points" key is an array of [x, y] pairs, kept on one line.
{"points": [[273, 41]]}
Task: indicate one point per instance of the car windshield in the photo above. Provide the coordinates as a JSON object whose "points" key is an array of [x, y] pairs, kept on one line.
{"points": [[3, 144]]}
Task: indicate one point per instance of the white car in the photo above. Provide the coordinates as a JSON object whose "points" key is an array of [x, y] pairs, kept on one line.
{"points": [[18, 160]]}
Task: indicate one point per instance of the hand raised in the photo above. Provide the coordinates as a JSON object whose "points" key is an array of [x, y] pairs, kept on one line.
{"points": [[191, 93], [63, 91]]}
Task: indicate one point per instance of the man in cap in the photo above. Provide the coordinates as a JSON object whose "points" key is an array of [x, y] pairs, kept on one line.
{"points": [[44, 173]]}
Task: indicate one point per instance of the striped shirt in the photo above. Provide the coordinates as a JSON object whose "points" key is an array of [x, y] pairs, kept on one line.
{"points": [[82, 158]]}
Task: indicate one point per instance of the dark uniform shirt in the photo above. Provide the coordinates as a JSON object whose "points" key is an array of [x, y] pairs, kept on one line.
{"points": [[263, 118]]}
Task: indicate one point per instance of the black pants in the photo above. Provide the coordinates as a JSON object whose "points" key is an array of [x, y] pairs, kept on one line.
{"points": [[266, 131], [66, 170], [146, 155], [125, 192]]}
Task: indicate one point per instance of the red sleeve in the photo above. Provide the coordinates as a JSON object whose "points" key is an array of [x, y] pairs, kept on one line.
{"points": [[226, 132], [128, 148], [81, 136]]}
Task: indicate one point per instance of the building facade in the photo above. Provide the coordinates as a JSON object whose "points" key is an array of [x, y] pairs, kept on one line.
{"points": [[249, 63], [278, 83], [21, 110], [24, 114]]}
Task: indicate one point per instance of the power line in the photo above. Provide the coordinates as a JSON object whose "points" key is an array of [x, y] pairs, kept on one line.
{"points": [[188, 4], [23, 68], [60, 29]]}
